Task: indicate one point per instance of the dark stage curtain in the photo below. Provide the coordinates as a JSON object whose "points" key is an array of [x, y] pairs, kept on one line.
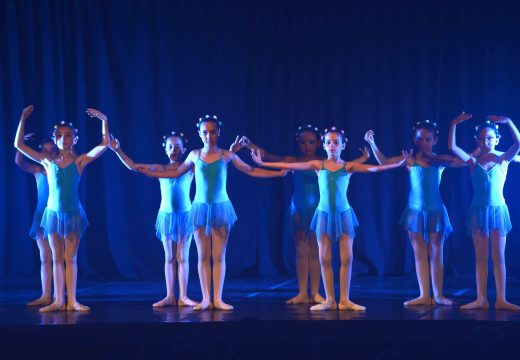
{"points": [[264, 67]]}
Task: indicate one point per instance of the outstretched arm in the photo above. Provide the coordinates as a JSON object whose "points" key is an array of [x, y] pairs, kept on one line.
{"points": [[183, 168], [115, 146], [510, 154], [25, 165], [363, 168], [264, 154], [452, 137], [255, 171], [19, 143], [96, 152], [308, 165]]}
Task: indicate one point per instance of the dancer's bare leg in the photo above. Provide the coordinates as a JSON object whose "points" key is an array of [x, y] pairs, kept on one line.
{"points": [[183, 253], [481, 245], [325, 251], [218, 252], [420, 252], [170, 272], [314, 268], [71, 272], [57, 244], [435, 247], [45, 272], [203, 242], [498, 247], [301, 245], [345, 274]]}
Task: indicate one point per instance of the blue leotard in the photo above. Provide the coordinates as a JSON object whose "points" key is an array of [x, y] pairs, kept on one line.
{"points": [[42, 187], [173, 218], [334, 216], [488, 209], [211, 206], [64, 213], [305, 199], [426, 212]]}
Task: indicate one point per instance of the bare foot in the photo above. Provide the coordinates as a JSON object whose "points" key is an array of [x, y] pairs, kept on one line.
{"points": [[477, 304], [167, 301], [76, 306], [349, 305], [298, 299], [205, 304], [324, 306], [41, 301], [317, 299], [505, 305], [186, 301], [221, 305], [421, 300], [53, 307], [441, 300]]}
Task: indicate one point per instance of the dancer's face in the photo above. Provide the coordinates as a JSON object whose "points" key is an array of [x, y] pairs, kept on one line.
{"points": [[487, 139], [333, 143], [209, 132], [65, 138], [49, 150], [425, 140], [174, 148], [308, 143]]}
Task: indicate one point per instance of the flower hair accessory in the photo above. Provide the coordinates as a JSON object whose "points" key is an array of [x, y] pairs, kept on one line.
{"points": [[333, 129], [307, 127], [213, 118], [173, 133], [426, 124], [67, 124], [487, 124]]}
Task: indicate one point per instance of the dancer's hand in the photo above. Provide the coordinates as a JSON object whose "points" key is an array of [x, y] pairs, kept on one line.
{"points": [[96, 114], [257, 157], [237, 145], [28, 137], [499, 119], [364, 151], [461, 118], [26, 112], [113, 143], [369, 137]]}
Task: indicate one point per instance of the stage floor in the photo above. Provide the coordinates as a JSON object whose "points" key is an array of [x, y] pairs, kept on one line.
{"points": [[123, 323]]}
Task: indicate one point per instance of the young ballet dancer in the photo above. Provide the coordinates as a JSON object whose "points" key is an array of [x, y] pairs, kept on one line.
{"points": [[488, 219], [63, 220], [305, 199], [425, 217], [333, 219], [212, 214], [49, 150]]}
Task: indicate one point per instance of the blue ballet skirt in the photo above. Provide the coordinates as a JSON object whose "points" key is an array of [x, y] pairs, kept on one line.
{"points": [[335, 223], [64, 222], [174, 225], [208, 215], [36, 225], [426, 221], [486, 218]]}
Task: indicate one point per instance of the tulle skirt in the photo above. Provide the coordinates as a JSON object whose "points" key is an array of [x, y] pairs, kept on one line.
{"points": [[36, 225], [174, 225], [426, 221], [335, 224], [301, 218], [219, 214], [64, 222], [486, 218]]}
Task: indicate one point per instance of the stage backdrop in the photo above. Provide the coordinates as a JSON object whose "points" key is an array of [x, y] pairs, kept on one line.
{"points": [[264, 67]]}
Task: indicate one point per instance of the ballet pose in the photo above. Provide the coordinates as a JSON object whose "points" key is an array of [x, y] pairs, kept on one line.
{"points": [[425, 217], [333, 219], [49, 150], [63, 221], [212, 214], [305, 199], [488, 219]]}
